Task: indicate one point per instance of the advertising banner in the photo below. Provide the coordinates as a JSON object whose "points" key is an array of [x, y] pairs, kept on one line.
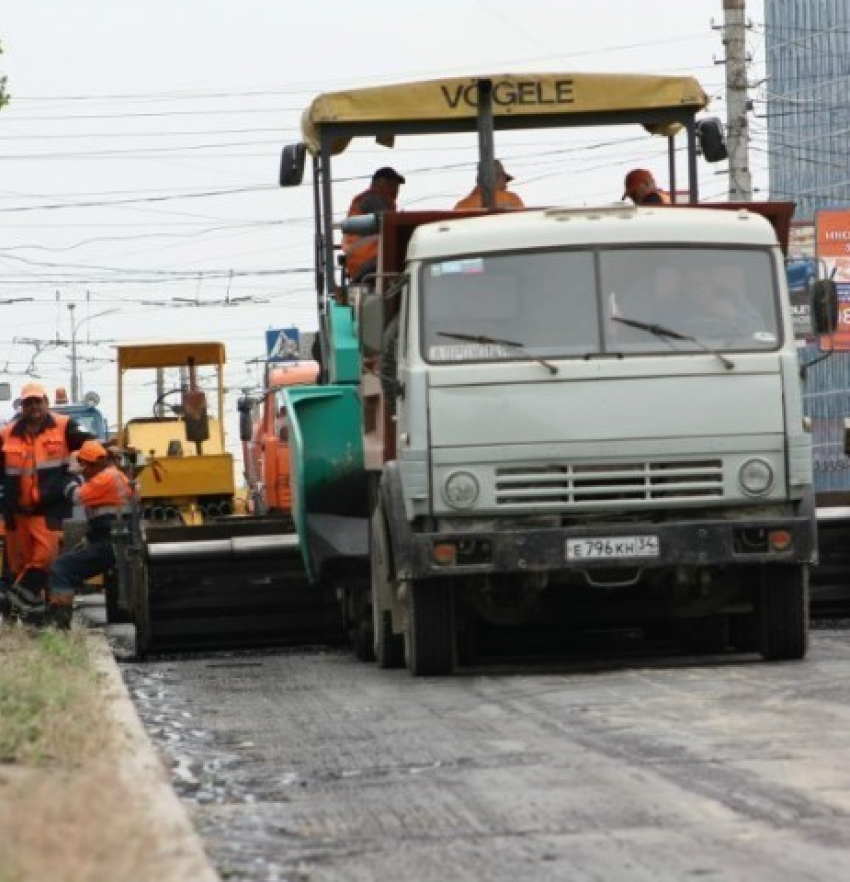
{"points": [[801, 269], [833, 253]]}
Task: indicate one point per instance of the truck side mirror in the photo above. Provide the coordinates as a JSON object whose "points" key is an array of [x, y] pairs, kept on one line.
{"points": [[712, 139], [824, 299], [292, 164]]}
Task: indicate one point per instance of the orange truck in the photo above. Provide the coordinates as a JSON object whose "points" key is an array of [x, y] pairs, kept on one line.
{"points": [[264, 432]]}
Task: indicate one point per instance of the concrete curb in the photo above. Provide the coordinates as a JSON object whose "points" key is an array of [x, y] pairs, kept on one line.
{"points": [[141, 767]]}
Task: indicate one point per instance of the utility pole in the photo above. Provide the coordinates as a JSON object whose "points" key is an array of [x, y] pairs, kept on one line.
{"points": [[737, 102]]}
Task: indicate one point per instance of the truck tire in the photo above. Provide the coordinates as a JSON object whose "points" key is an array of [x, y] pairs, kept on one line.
{"points": [[784, 612], [389, 646], [430, 636]]}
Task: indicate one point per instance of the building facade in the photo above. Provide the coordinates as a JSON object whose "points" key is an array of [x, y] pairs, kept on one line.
{"points": [[807, 46]]}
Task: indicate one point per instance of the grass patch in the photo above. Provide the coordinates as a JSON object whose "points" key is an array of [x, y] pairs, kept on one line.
{"points": [[49, 698], [64, 812]]}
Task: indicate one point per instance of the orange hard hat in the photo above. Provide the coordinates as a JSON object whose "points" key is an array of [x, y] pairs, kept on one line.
{"points": [[32, 390], [91, 452], [635, 178]]}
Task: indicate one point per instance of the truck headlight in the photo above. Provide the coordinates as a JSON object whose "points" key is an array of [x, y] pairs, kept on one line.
{"points": [[461, 490], [756, 477]]}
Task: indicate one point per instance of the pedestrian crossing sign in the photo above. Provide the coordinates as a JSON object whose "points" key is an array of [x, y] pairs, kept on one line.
{"points": [[283, 344]]}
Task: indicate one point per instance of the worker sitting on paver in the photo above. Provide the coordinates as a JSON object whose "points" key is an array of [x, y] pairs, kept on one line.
{"points": [[105, 494]]}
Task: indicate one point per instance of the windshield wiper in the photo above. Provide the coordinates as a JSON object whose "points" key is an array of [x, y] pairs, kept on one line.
{"points": [[498, 341], [670, 334]]}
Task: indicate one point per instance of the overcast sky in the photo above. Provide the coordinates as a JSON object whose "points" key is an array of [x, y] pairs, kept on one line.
{"points": [[140, 150]]}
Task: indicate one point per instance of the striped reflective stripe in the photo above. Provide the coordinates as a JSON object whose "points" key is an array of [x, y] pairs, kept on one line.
{"points": [[119, 488], [52, 463], [359, 244], [33, 468], [99, 510]]}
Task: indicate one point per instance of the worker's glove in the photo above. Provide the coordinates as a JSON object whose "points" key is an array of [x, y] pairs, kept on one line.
{"points": [[72, 482]]}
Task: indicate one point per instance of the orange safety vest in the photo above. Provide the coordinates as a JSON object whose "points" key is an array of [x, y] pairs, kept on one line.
{"points": [[34, 467], [504, 199], [361, 250], [105, 496]]}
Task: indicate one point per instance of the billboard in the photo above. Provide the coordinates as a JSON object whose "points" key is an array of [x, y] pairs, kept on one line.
{"points": [[801, 270], [833, 254]]}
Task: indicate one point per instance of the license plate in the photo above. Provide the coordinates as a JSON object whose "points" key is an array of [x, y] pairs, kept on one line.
{"points": [[613, 547]]}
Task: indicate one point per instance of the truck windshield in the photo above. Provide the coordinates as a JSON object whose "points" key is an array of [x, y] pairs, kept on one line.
{"points": [[566, 303]]}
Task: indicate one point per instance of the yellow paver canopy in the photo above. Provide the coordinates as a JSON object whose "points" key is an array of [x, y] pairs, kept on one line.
{"points": [[153, 355], [530, 99]]}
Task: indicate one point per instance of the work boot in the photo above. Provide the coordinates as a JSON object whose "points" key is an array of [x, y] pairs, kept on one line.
{"points": [[5, 605], [25, 600], [59, 613]]}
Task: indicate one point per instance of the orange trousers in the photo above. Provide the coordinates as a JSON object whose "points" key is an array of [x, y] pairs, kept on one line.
{"points": [[31, 544]]}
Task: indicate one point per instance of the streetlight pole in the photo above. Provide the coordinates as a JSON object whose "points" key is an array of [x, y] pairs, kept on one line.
{"points": [[75, 327], [75, 385]]}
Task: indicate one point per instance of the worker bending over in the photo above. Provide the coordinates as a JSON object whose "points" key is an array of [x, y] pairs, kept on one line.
{"points": [[106, 495]]}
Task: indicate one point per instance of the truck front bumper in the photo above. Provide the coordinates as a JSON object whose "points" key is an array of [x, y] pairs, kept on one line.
{"points": [[689, 543]]}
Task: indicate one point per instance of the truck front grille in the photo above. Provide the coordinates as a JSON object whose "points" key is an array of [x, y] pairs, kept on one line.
{"points": [[559, 486]]}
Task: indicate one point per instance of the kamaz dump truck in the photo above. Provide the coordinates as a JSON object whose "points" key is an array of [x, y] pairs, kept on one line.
{"points": [[555, 419]]}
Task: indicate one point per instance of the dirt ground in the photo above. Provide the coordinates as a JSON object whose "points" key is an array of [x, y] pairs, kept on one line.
{"points": [[93, 803]]}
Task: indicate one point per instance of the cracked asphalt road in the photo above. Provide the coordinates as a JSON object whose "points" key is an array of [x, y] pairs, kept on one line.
{"points": [[307, 765]]}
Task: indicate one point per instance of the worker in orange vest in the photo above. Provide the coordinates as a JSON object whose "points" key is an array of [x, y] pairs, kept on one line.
{"points": [[361, 252], [106, 494], [34, 452], [641, 188], [505, 198]]}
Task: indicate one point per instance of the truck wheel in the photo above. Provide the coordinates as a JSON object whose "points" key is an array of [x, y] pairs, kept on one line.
{"points": [[430, 636], [389, 646], [784, 612]]}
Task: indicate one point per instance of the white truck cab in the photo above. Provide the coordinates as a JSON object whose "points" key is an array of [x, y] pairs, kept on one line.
{"points": [[600, 419]]}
